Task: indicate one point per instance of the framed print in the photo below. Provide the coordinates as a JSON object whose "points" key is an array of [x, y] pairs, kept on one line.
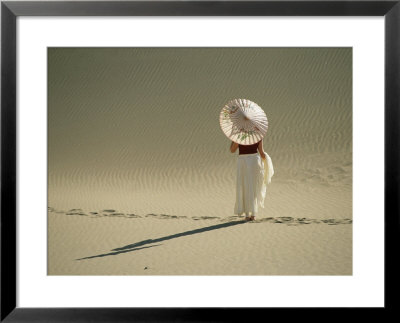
{"points": [[197, 160]]}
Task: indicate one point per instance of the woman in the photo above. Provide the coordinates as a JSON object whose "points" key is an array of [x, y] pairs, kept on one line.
{"points": [[250, 188]]}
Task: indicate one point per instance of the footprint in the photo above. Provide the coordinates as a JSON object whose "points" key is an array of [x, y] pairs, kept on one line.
{"points": [[109, 211], [132, 215], [76, 213], [117, 214], [285, 218], [165, 216]]}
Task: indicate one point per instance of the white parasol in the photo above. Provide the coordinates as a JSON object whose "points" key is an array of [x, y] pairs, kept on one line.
{"points": [[243, 121]]}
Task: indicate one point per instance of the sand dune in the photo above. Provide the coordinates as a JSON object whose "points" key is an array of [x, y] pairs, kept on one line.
{"points": [[160, 244], [135, 130]]}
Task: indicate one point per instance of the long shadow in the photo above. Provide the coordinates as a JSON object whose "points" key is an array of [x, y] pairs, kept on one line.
{"points": [[134, 246]]}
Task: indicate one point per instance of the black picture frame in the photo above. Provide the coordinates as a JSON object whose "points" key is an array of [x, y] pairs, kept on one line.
{"points": [[10, 10]]}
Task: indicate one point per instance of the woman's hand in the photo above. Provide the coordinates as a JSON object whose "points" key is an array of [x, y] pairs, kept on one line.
{"points": [[234, 146]]}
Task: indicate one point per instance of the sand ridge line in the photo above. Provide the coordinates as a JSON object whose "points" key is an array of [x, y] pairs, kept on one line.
{"points": [[275, 220]]}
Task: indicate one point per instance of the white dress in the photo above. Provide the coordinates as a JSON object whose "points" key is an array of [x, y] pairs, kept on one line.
{"points": [[252, 177]]}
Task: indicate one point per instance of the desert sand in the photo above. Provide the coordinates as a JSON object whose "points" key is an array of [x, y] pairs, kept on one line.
{"points": [[141, 180]]}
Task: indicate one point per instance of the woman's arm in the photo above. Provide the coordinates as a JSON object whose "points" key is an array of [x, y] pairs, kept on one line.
{"points": [[234, 146], [261, 149]]}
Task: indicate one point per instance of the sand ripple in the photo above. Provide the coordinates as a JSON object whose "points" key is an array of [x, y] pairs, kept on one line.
{"points": [[137, 128]]}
